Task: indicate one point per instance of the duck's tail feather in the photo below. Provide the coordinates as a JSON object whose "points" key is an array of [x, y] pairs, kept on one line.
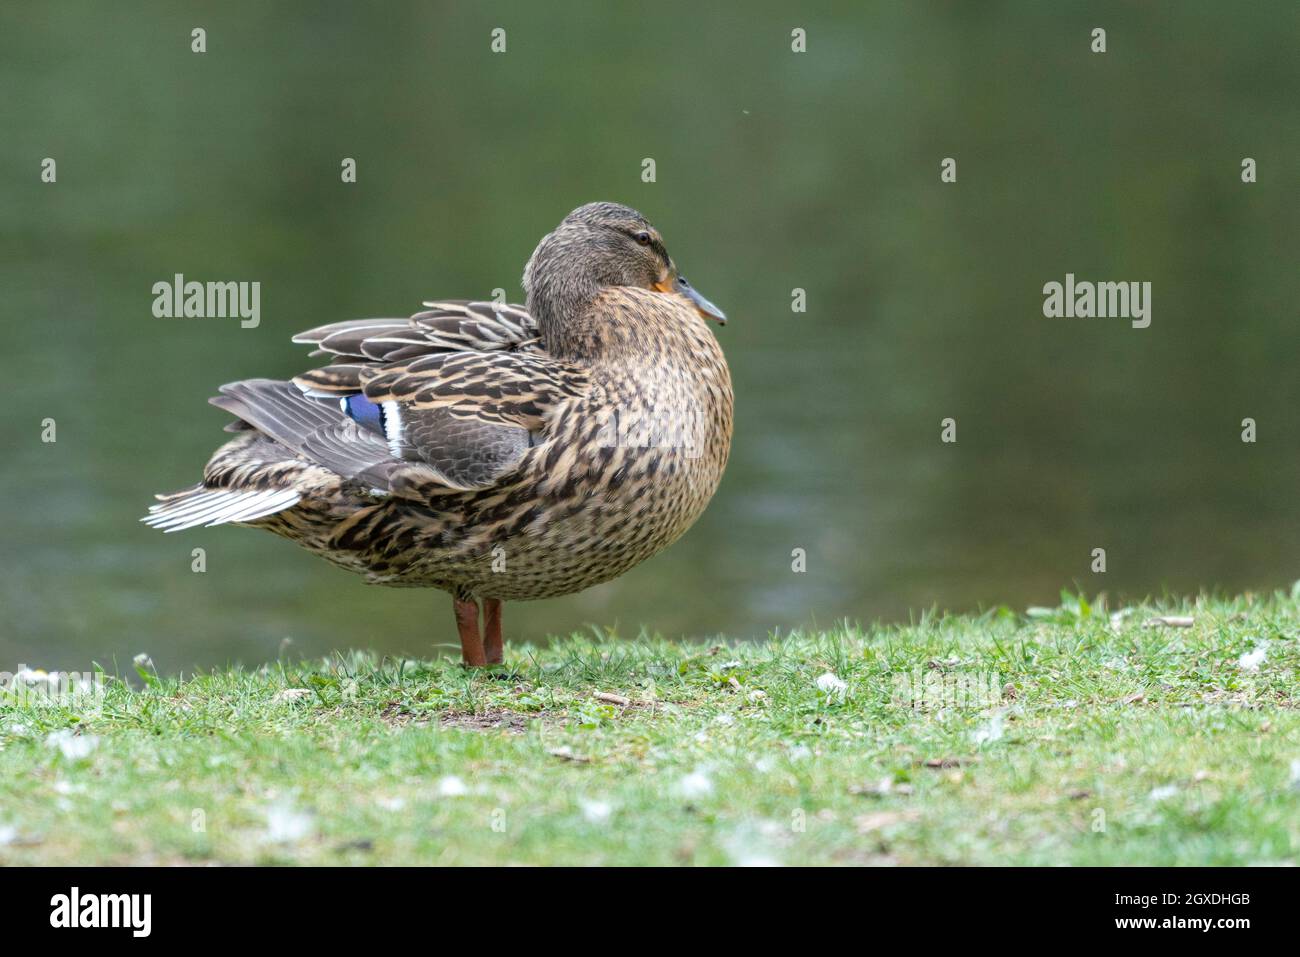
{"points": [[200, 505]]}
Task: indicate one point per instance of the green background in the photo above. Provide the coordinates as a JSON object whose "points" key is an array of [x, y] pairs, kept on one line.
{"points": [[775, 170]]}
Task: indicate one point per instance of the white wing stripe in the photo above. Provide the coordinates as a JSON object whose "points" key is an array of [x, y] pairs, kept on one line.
{"points": [[393, 427]]}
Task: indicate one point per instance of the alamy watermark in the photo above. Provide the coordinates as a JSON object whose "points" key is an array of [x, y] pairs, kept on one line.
{"points": [[936, 689], [133, 912], [1101, 300], [27, 687], [649, 432], [179, 299]]}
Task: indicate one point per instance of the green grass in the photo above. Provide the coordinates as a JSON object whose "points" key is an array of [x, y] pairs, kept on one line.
{"points": [[1114, 743]]}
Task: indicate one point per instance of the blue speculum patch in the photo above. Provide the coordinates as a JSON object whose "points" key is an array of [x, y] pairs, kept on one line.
{"points": [[364, 412]]}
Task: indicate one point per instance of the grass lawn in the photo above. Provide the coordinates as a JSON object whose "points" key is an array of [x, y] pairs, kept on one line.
{"points": [[1064, 737]]}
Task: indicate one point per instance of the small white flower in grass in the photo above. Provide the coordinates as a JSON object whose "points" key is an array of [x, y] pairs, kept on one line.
{"points": [[1295, 773], [286, 825], [74, 747], [291, 694], [990, 732], [452, 787], [1163, 793], [725, 720], [595, 811], [831, 685], [747, 846], [1251, 660], [8, 834], [33, 678], [697, 784], [1117, 618], [391, 803], [142, 660], [755, 858]]}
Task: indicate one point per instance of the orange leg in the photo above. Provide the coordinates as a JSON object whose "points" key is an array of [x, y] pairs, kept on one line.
{"points": [[471, 642], [492, 643]]}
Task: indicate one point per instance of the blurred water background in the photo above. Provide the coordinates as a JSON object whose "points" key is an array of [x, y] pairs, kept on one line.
{"points": [[775, 170]]}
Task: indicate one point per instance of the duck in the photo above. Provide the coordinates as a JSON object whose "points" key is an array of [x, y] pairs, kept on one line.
{"points": [[496, 452]]}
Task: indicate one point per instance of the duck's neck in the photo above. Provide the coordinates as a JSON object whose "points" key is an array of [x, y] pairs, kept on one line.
{"points": [[563, 310]]}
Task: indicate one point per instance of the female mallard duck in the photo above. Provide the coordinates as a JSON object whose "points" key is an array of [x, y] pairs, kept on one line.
{"points": [[495, 452]]}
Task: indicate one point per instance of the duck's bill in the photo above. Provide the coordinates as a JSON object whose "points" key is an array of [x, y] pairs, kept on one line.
{"points": [[706, 309]]}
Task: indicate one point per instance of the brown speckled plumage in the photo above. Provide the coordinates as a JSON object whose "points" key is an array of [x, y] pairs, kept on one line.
{"points": [[523, 452]]}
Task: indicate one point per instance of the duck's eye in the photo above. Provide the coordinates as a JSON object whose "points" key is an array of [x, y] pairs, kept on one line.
{"points": [[642, 237]]}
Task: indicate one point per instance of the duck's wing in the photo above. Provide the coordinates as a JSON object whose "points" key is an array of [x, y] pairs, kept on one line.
{"points": [[448, 326], [445, 401], [478, 361], [452, 396]]}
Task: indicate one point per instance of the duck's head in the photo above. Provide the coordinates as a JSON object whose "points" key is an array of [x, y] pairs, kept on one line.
{"points": [[597, 246]]}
